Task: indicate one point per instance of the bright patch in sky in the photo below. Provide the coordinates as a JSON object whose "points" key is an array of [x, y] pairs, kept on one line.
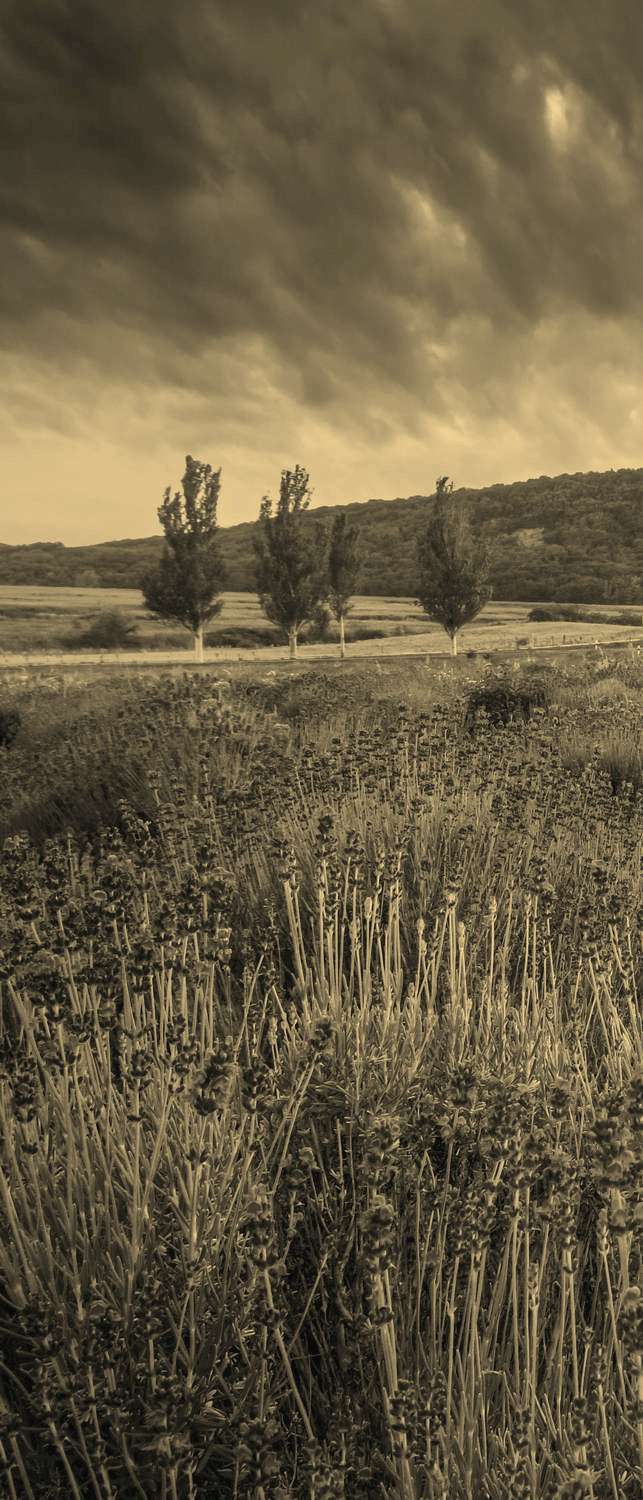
{"points": [[557, 115]]}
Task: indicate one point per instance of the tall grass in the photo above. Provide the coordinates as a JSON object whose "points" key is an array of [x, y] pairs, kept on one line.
{"points": [[320, 1116]]}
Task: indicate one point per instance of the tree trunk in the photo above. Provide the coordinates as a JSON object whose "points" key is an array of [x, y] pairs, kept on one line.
{"points": [[454, 644], [342, 639], [198, 643], [292, 642]]}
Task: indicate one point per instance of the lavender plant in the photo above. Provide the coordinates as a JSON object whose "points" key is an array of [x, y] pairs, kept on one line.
{"points": [[321, 1113]]}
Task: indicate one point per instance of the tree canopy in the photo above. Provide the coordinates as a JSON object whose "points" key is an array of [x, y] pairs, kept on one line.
{"points": [[185, 585], [290, 558], [453, 582], [343, 569]]}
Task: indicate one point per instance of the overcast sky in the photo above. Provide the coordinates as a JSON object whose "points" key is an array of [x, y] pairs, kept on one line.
{"points": [[385, 239]]}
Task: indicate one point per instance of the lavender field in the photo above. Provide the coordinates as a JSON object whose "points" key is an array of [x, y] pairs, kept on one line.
{"points": [[321, 1085]]}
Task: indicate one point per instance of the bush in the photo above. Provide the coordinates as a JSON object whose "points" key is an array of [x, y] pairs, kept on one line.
{"points": [[110, 630], [309, 697], [370, 633], [241, 637], [553, 612], [320, 627], [10, 721], [584, 616], [626, 617], [504, 703]]}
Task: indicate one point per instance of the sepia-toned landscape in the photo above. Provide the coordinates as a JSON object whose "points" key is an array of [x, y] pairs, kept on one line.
{"points": [[321, 763]]}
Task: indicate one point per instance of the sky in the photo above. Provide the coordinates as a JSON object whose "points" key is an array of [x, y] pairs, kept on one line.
{"points": [[384, 239]]}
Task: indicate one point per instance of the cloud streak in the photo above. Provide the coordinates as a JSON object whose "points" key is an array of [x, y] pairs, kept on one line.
{"points": [[349, 223]]}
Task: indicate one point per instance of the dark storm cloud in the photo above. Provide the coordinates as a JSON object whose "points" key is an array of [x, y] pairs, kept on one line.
{"points": [[349, 186]]}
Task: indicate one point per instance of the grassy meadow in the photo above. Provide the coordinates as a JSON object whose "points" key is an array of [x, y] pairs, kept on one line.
{"points": [[40, 618], [43, 619], [34, 618], [321, 1082]]}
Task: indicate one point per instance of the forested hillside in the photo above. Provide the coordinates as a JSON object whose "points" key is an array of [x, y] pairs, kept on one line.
{"points": [[576, 537]]}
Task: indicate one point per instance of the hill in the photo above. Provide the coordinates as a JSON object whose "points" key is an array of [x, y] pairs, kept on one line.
{"points": [[575, 537]]}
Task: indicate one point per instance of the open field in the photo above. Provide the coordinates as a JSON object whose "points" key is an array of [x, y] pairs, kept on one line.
{"points": [[37, 621], [399, 624], [321, 1082]]}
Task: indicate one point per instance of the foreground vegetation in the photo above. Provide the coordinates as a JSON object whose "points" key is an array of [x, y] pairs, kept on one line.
{"points": [[321, 1089]]}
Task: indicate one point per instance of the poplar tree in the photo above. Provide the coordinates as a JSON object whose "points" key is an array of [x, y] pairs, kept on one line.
{"points": [[453, 582], [343, 568], [185, 586], [290, 557]]}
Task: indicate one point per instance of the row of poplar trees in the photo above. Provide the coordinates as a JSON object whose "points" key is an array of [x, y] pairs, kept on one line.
{"points": [[299, 566]]}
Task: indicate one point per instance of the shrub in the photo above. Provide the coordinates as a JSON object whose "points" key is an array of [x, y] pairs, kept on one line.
{"points": [[110, 630], [370, 633], [311, 697], [10, 722], [320, 627], [541, 613], [242, 637], [584, 616], [504, 703], [626, 617]]}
